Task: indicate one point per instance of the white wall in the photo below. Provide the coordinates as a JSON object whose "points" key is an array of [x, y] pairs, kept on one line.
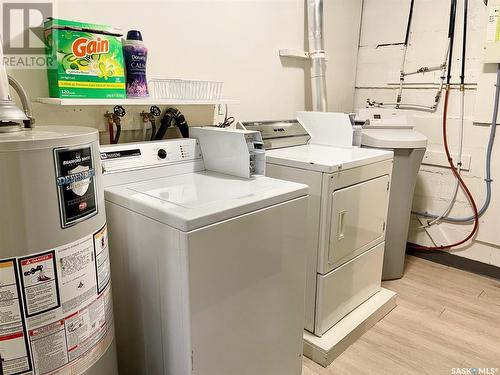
{"points": [[235, 41], [384, 21]]}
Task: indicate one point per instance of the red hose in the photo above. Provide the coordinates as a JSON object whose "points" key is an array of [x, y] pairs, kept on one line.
{"points": [[111, 132], [460, 180]]}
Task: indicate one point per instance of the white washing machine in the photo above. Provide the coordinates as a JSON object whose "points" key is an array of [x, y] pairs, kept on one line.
{"points": [[349, 189], [208, 269]]}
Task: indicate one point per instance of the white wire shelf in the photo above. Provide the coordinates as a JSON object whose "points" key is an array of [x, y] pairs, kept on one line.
{"points": [[134, 102]]}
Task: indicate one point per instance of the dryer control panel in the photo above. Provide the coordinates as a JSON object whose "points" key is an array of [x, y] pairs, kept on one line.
{"points": [[235, 152], [278, 134], [116, 158]]}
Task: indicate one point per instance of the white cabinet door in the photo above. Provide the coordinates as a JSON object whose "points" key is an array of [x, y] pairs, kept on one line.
{"points": [[358, 219]]}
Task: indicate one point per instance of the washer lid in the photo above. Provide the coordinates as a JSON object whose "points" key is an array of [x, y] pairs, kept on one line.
{"points": [[391, 138], [194, 200], [326, 159]]}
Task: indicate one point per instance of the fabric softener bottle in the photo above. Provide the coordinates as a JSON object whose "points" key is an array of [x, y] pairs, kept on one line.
{"points": [[136, 55]]}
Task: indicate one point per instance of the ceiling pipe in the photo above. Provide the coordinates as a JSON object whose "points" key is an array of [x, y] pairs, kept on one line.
{"points": [[317, 54]]}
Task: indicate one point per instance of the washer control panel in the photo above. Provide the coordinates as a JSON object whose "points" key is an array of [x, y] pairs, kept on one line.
{"points": [[131, 156]]}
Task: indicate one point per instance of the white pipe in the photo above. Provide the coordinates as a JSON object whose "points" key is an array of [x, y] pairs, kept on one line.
{"points": [[401, 77], [424, 69], [317, 55], [403, 74]]}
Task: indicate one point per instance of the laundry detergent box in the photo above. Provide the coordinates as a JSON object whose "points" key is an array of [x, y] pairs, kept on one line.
{"points": [[85, 60]]}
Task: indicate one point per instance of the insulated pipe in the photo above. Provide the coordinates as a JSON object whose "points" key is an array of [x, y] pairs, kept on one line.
{"points": [[451, 36], [464, 41], [408, 26], [317, 55]]}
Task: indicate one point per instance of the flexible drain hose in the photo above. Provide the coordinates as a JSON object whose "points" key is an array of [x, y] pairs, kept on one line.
{"points": [[489, 154]]}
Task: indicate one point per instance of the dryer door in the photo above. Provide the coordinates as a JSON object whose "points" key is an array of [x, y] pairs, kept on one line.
{"points": [[358, 219]]}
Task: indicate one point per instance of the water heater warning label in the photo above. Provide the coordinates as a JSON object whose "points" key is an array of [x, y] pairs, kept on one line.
{"points": [[38, 278], [56, 314], [14, 348]]}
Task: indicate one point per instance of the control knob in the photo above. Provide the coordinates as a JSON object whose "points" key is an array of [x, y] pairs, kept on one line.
{"points": [[162, 154]]}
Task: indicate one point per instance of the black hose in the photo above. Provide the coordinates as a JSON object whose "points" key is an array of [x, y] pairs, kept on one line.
{"points": [[451, 35], [408, 26], [176, 116], [184, 129], [117, 134], [165, 123], [464, 42]]}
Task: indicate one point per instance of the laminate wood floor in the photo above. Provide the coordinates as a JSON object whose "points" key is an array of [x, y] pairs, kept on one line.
{"points": [[445, 319]]}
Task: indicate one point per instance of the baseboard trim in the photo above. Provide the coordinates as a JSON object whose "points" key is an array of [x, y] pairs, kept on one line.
{"points": [[455, 261]]}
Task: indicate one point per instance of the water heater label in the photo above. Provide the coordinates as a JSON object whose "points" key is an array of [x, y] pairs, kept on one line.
{"points": [[102, 262], [14, 346], [56, 314], [39, 283], [75, 184]]}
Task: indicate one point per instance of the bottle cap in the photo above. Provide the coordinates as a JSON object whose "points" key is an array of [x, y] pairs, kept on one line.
{"points": [[134, 35]]}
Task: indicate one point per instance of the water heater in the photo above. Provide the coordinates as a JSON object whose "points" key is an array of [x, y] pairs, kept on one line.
{"points": [[56, 312]]}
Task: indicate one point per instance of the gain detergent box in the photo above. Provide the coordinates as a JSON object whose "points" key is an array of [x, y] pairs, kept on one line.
{"points": [[85, 60]]}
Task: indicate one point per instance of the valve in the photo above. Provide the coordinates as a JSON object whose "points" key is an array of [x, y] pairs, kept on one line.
{"points": [[114, 118], [150, 116]]}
